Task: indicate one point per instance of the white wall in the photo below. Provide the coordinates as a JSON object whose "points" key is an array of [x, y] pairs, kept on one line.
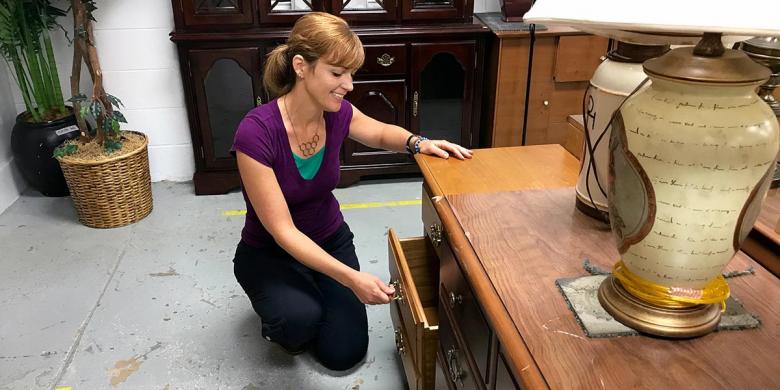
{"points": [[141, 68], [11, 183], [486, 6]]}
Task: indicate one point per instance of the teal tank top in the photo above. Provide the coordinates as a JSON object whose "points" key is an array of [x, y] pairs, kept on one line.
{"points": [[308, 167]]}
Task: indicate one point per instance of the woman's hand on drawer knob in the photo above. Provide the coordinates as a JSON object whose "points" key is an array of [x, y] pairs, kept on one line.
{"points": [[369, 289]]}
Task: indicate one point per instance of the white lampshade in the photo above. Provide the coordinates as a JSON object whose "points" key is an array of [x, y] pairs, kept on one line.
{"points": [[660, 21]]}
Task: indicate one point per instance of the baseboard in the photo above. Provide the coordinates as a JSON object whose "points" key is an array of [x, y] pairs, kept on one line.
{"points": [[11, 184]]}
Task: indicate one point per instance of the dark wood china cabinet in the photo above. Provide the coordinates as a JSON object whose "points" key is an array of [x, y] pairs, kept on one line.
{"points": [[423, 71]]}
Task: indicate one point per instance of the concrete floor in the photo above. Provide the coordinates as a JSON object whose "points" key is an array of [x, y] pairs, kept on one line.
{"points": [[155, 305]]}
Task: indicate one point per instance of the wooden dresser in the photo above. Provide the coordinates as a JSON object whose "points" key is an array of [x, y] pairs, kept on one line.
{"points": [[478, 308], [537, 79]]}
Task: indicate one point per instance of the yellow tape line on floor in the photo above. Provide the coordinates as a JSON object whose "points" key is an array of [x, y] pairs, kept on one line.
{"points": [[348, 206]]}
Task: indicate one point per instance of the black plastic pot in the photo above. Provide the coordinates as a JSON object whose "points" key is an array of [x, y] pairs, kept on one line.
{"points": [[33, 146]]}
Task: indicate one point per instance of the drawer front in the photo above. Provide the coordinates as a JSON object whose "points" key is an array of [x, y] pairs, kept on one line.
{"points": [[455, 364], [432, 225], [459, 298], [402, 346], [384, 60], [414, 274], [466, 314]]}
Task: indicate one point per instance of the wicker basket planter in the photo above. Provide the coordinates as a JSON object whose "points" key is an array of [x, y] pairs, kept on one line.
{"points": [[111, 193]]}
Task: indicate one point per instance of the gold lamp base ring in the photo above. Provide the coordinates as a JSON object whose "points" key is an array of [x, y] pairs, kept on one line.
{"points": [[688, 322]]}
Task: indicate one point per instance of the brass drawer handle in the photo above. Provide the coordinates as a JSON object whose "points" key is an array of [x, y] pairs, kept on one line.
{"points": [[385, 60], [399, 342], [399, 292], [455, 299], [415, 102], [435, 233], [456, 374]]}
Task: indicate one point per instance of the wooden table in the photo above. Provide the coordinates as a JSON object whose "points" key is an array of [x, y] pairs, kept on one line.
{"points": [[511, 228]]}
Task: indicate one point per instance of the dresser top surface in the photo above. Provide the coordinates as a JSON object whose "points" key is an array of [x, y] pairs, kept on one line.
{"points": [[501, 169], [525, 240]]}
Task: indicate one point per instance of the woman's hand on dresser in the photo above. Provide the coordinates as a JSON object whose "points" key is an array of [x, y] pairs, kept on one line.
{"points": [[369, 289], [443, 148]]}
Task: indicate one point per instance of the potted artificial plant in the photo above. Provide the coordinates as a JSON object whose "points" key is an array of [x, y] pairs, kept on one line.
{"points": [[106, 168], [26, 46]]}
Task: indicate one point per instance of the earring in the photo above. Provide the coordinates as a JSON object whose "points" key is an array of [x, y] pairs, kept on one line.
{"points": [[300, 75]]}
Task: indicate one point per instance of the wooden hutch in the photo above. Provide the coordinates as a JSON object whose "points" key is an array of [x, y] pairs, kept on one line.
{"points": [[423, 71]]}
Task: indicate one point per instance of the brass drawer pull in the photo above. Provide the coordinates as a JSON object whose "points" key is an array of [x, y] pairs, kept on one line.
{"points": [[399, 292], [435, 232], [399, 342], [456, 374], [385, 60], [415, 102], [455, 299]]}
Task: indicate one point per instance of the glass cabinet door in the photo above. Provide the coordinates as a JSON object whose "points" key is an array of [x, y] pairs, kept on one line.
{"points": [[216, 12], [227, 84], [435, 9], [441, 95], [287, 11], [356, 11], [384, 101]]}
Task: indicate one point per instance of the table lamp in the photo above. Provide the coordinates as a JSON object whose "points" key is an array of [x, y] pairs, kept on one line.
{"points": [[691, 156], [614, 79]]}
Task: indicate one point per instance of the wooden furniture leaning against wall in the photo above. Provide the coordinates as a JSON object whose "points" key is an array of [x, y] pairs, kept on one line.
{"points": [[479, 308], [423, 71], [538, 79]]}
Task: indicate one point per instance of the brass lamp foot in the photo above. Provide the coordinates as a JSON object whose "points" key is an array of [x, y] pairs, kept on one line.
{"points": [[687, 322]]}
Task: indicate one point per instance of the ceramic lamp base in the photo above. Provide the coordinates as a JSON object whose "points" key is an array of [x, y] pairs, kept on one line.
{"points": [[688, 322], [588, 209]]}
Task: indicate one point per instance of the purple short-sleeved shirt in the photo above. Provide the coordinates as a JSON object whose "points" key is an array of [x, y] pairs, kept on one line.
{"points": [[261, 135]]}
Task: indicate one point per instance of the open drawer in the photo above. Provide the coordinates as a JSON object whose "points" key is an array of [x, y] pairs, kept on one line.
{"points": [[414, 272]]}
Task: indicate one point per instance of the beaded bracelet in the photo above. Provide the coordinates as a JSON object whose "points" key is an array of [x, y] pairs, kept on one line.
{"points": [[409, 148], [417, 143]]}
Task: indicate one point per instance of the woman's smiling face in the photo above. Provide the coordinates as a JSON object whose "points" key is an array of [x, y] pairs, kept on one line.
{"points": [[327, 84]]}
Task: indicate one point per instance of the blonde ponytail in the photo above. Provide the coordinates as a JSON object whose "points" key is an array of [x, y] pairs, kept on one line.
{"points": [[316, 35]]}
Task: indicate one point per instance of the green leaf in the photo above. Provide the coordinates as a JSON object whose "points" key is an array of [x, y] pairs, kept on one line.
{"points": [[112, 145], [118, 116], [78, 98], [65, 150], [115, 101], [85, 111], [96, 109]]}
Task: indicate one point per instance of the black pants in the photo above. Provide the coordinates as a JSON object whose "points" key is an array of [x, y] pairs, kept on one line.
{"points": [[302, 308]]}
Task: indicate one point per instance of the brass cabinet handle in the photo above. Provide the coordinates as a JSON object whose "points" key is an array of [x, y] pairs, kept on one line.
{"points": [[456, 374], [415, 101], [435, 233], [399, 342], [546, 103], [385, 60], [399, 292], [455, 299]]}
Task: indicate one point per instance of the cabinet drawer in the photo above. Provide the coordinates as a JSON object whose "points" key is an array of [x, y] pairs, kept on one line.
{"points": [[432, 225], [455, 365], [402, 346], [458, 296], [414, 272], [384, 60]]}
